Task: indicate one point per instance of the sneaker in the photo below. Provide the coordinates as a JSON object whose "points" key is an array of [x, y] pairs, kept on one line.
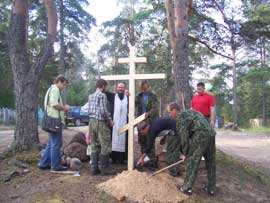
{"points": [[186, 192], [209, 192]]}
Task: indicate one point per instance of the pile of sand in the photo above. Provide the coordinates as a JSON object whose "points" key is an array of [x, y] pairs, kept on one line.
{"points": [[141, 187]]}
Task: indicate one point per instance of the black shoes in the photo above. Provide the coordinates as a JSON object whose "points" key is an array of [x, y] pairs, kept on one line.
{"points": [[94, 164], [105, 168], [209, 192], [44, 167], [62, 168], [186, 192]]}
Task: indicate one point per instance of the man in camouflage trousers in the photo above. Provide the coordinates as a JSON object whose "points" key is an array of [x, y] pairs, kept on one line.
{"points": [[195, 139], [147, 102], [99, 122]]}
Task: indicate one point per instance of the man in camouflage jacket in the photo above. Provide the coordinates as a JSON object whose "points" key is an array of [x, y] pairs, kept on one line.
{"points": [[195, 139]]}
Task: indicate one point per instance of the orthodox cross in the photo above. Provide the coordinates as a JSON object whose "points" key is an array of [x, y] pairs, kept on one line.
{"points": [[131, 77]]}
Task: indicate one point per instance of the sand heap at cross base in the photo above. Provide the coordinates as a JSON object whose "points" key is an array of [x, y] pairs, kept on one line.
{"points": [[141, 187]]}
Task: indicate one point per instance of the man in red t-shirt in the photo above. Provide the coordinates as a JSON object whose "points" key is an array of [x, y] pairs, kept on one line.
{"points": [[204, 103]]}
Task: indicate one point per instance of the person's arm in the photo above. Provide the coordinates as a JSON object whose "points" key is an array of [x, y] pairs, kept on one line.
{"points": [[183, 129], [54, 96], [212, 116], [191, 104], [156, 127], [103, 107], [212, 111]]}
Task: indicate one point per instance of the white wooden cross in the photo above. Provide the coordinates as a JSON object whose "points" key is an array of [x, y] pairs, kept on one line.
{"points": [[131, 77]]}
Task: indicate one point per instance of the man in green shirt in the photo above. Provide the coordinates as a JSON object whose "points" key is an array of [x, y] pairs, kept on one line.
{"points": [[51, 158]]}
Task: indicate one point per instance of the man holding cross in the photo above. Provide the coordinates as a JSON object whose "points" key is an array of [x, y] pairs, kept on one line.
{"points": [[147, 102]]}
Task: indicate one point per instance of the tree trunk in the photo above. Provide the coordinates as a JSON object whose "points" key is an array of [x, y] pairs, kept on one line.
{"points": [[171, 22], [235, 102], [182, 74], [264, 118], [62, 67], [26, 131], [27, 76], [263, 62]]}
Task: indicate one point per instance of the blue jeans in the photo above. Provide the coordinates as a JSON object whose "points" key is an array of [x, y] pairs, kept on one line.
{"points": [[52, 154]]}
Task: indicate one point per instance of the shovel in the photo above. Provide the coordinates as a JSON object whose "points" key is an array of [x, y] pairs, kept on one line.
{"points": [[163, 169]]}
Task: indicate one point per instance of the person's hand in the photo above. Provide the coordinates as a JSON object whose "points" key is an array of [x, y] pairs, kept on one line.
{"points": [[66, 107], [182, 157], [87, 138], [127, 93], [212, 123], [111, 123], [147, 114], [140, 162]]}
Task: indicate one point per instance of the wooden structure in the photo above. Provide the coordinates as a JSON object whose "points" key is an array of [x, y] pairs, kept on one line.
{"points": [[131, 77]]}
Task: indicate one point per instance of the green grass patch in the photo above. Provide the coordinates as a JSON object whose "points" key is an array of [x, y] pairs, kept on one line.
{"points": [[259, 130], [243, 169], [30, 157]]}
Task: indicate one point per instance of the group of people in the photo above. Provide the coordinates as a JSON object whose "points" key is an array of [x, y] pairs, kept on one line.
{"points": [[191, 135]]}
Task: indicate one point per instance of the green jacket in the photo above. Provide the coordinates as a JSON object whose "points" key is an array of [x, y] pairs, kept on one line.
{"points": [[193, 128], [152, 105]]}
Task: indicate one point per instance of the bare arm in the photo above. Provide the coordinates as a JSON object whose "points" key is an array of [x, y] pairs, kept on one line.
{"points": [[212, 116], [61, 107]]}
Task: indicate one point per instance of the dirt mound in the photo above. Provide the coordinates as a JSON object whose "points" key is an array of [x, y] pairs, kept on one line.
{"points": [[141, 187]]}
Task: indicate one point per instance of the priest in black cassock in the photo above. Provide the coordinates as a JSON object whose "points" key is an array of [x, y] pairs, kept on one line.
{"points": [[119, 109]]}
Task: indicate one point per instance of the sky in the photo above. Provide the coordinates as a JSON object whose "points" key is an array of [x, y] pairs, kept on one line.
{"points": [[102, 10]]}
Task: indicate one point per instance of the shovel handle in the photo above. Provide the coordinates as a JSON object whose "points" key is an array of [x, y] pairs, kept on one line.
{"points": [[163, 169]]}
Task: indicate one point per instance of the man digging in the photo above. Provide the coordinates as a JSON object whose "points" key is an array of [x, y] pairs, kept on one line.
{"points": [[194, 139]]}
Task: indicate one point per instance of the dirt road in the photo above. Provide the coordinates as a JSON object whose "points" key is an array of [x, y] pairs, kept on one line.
{"points": [[254, 147], [6, 137]]}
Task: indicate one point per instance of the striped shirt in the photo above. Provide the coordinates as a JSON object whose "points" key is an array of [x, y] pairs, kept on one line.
{"points": [[97, 104]]}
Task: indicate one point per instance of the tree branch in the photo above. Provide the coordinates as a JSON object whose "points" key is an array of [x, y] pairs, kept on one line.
{"points": [[208, 47], [47, 51]]}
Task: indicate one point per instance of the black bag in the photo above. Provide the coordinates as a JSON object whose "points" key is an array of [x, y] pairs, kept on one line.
{"points": [[51, 124]]}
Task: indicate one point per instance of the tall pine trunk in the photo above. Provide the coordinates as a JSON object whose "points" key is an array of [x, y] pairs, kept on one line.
{"points": [[263, 62], [177, 18], [26, 75], [235, 99]]}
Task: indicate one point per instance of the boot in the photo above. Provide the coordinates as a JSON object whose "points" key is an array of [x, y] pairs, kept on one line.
{"points": [[94, 164], [105, 168]]}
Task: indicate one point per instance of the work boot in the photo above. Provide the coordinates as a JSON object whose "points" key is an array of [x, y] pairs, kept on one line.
{"points": [[105, 168], [94, 164]]}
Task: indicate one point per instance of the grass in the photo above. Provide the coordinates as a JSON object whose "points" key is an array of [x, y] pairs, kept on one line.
{"points": [[259, 130], [243, 168]]}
